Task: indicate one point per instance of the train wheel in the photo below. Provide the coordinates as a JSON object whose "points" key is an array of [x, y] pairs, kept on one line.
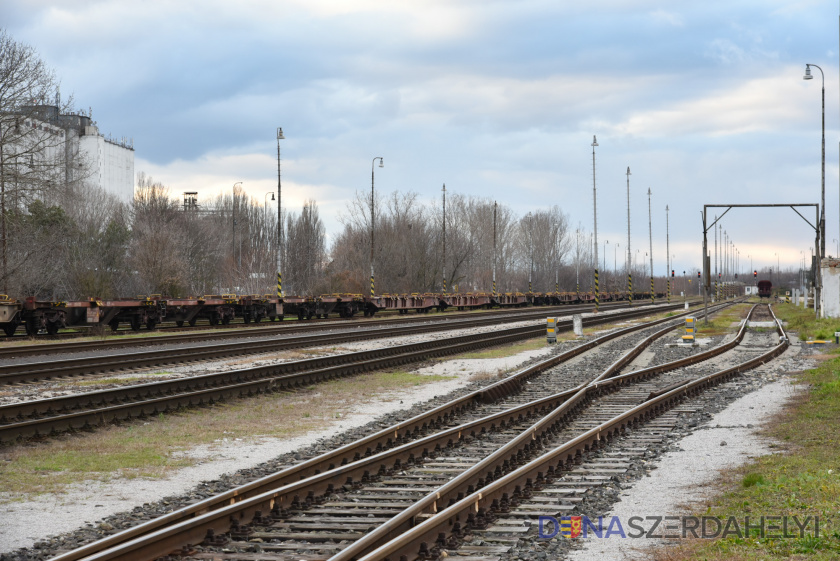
{"points": [[150, 324], [10, 329], [192, 322], [52, 327], [31, 329], [226, 320], [135, 323], [258, 319], [114, 325], [273, 318], [214, 320], [179, 323], [246, 318]]}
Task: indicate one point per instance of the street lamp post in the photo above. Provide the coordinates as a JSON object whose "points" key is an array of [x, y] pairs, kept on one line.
{"points": [[444, 239], [531, 246], [495, 207], [821, 250], [595, 220], [650, 234], [668, 262], [279, 257], [615, 265], [233, 216], [372, 217], [629, 254]]}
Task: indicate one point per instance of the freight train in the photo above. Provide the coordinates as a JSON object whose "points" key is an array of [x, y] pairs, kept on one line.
{"points": [[39, 316]]}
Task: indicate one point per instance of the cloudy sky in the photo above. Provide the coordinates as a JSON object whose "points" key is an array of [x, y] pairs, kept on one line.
{"points": [[704, 101]]}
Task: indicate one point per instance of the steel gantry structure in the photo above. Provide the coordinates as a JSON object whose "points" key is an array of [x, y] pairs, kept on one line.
{"points": [[728, 207]]}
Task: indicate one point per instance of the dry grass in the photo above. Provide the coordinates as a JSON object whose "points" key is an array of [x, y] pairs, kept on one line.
{"points": [[150, 448], [504, 350], [722, 322]]}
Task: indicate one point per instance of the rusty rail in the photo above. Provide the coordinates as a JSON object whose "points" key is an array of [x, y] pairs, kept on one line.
{"points": [[447, 526], [285, 488]]}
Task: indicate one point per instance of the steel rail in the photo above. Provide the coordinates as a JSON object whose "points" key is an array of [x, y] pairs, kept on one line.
{"points": [[45, 416], [41, 349], [264, 495], [45, 370], [483, 503]]}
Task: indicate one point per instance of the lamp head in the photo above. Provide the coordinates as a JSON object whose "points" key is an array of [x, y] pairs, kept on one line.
{"points": [[382, 162], [272, 195], [807, 75], [594, 141], [628, 170], [280, 134]]}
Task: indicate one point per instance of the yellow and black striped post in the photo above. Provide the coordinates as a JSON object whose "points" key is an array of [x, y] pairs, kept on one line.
{"points": [[651, 291], [494, 288], [669, 291], [630, 288], [597, 291], [371, 286], [689, 331], [529, 287], [444, 286], [279, 285]]}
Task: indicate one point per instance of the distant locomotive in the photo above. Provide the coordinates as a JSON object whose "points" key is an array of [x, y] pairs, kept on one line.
{"points": [[765, 287]]}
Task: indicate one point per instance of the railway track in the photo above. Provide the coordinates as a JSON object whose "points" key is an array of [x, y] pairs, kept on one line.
{"points": [[236, 329], [21, 372], [84, 410], [446, 321], [428, 466]]}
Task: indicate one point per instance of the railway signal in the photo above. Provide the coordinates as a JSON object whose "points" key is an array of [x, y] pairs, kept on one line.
{"points": [[755, 274], [672, 273]]}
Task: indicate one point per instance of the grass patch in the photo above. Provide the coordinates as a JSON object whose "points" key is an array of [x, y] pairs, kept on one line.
{"points": [[804, 480], [803, 322], [721, 323], [153, 448], [141, 377], [505, 350]]}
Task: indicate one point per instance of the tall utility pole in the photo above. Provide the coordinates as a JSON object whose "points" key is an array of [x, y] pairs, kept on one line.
{"points": [[495, 206], [650, 234], [629, 255], [716, 260], [279, 221], [821, 253], [444, 238], [233, 216], [531, 245], [595, 221], [668, 262], [557, 266], [372, 217]]}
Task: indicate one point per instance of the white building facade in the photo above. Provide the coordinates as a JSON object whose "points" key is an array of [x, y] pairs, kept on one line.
{"points": [[87, 154]]}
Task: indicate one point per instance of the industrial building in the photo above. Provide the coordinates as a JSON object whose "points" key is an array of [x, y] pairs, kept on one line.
{"points": [[83, 151]]}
